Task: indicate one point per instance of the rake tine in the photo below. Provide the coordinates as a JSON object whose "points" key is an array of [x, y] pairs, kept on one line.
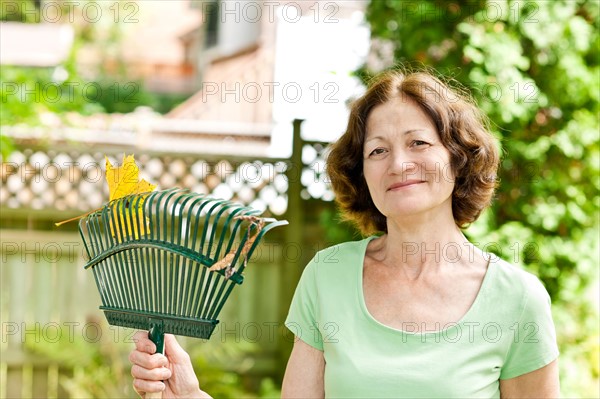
{"points": [[112, 269], [167, 266], [105, 268], [157, 271], [153, 257], [185, 271], [164, 276], [88, 225], [213, 300], [206, 278], [197, 287], [147, 255], [208, 227], [225, 230], [198, 213], [187, 284], [230, 271], [140, 270], [174, 276], [259, 238], [154, 202], [122, 269], [215, 223], [242, 267]]}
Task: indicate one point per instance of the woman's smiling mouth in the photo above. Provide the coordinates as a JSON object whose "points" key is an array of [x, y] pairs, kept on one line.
{"points": [[397, 186]]}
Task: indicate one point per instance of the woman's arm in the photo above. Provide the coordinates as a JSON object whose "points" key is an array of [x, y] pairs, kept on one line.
{"points": [[541, 383], [304, 373]]}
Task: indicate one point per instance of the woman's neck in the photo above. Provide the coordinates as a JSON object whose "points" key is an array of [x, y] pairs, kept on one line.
{"points": [[423, 244]]}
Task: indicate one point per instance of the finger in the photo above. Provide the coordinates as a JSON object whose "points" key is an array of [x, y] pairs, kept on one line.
{"points": [[143, 386], [173, 350], [143, 343], [172, 347], [157, 374], [146, 360]]}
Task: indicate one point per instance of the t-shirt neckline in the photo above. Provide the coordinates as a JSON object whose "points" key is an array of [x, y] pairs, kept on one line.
{"points": [[448, 327]]}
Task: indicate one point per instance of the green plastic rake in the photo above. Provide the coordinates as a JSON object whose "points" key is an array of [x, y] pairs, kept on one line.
{"points": [[167, 261]]}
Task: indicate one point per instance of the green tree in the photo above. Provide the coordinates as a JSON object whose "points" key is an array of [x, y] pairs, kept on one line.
{"points": [[533, 67], [35, 96]]}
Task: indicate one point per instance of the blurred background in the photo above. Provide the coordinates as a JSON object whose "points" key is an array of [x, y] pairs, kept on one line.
{"points": [[239, 99]]}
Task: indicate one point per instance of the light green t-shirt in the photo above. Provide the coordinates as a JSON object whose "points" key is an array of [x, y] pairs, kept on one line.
{"points": [[507, 332]]}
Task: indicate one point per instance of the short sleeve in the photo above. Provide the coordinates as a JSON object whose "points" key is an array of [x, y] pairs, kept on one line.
{"points": [[533, 344], [302, 316]]}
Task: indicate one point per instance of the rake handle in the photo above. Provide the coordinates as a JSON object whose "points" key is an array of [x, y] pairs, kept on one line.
{"points": [[156, 335]]}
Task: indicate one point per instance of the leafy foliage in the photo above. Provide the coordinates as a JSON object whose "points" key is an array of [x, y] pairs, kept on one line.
{"points": [[33, 96], [42, 96], [100, 367], [533, 66], [19, 11], [221, 366], [99, 362]]}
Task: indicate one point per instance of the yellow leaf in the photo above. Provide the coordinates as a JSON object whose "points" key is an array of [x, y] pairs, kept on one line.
{"points": [[128, 222], [123, 181]]}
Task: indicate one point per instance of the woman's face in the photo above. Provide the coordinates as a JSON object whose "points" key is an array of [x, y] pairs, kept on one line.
{"points": [[406, 166]]}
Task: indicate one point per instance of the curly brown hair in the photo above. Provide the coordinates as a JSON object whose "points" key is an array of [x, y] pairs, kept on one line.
{"points": [[474, 156]]}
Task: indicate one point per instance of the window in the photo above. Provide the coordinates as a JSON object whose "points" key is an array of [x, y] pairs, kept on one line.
{"points": [[210, 16]]}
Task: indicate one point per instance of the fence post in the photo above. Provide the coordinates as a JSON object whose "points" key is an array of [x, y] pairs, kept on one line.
{"points": [[292, 268]]}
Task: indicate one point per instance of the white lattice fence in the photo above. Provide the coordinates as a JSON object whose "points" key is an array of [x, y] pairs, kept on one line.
{"points": [[69, 181]]}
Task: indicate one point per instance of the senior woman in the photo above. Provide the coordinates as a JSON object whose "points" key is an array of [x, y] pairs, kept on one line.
{"points": [[414, 310]]}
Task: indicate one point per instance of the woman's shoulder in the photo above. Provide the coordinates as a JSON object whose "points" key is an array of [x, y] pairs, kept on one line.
{"points": [[335, 267], [344, 255], [338, 253], [513, 281]]}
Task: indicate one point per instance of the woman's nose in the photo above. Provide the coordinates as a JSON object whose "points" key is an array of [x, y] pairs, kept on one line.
{"points": [[402, 165]]}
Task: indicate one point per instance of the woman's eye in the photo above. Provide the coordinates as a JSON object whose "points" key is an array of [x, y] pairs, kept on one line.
{"points": [[417, 143], [377, 151]]}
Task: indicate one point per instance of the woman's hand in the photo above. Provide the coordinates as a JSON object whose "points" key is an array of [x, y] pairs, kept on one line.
{"points": [[172, 373]]}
